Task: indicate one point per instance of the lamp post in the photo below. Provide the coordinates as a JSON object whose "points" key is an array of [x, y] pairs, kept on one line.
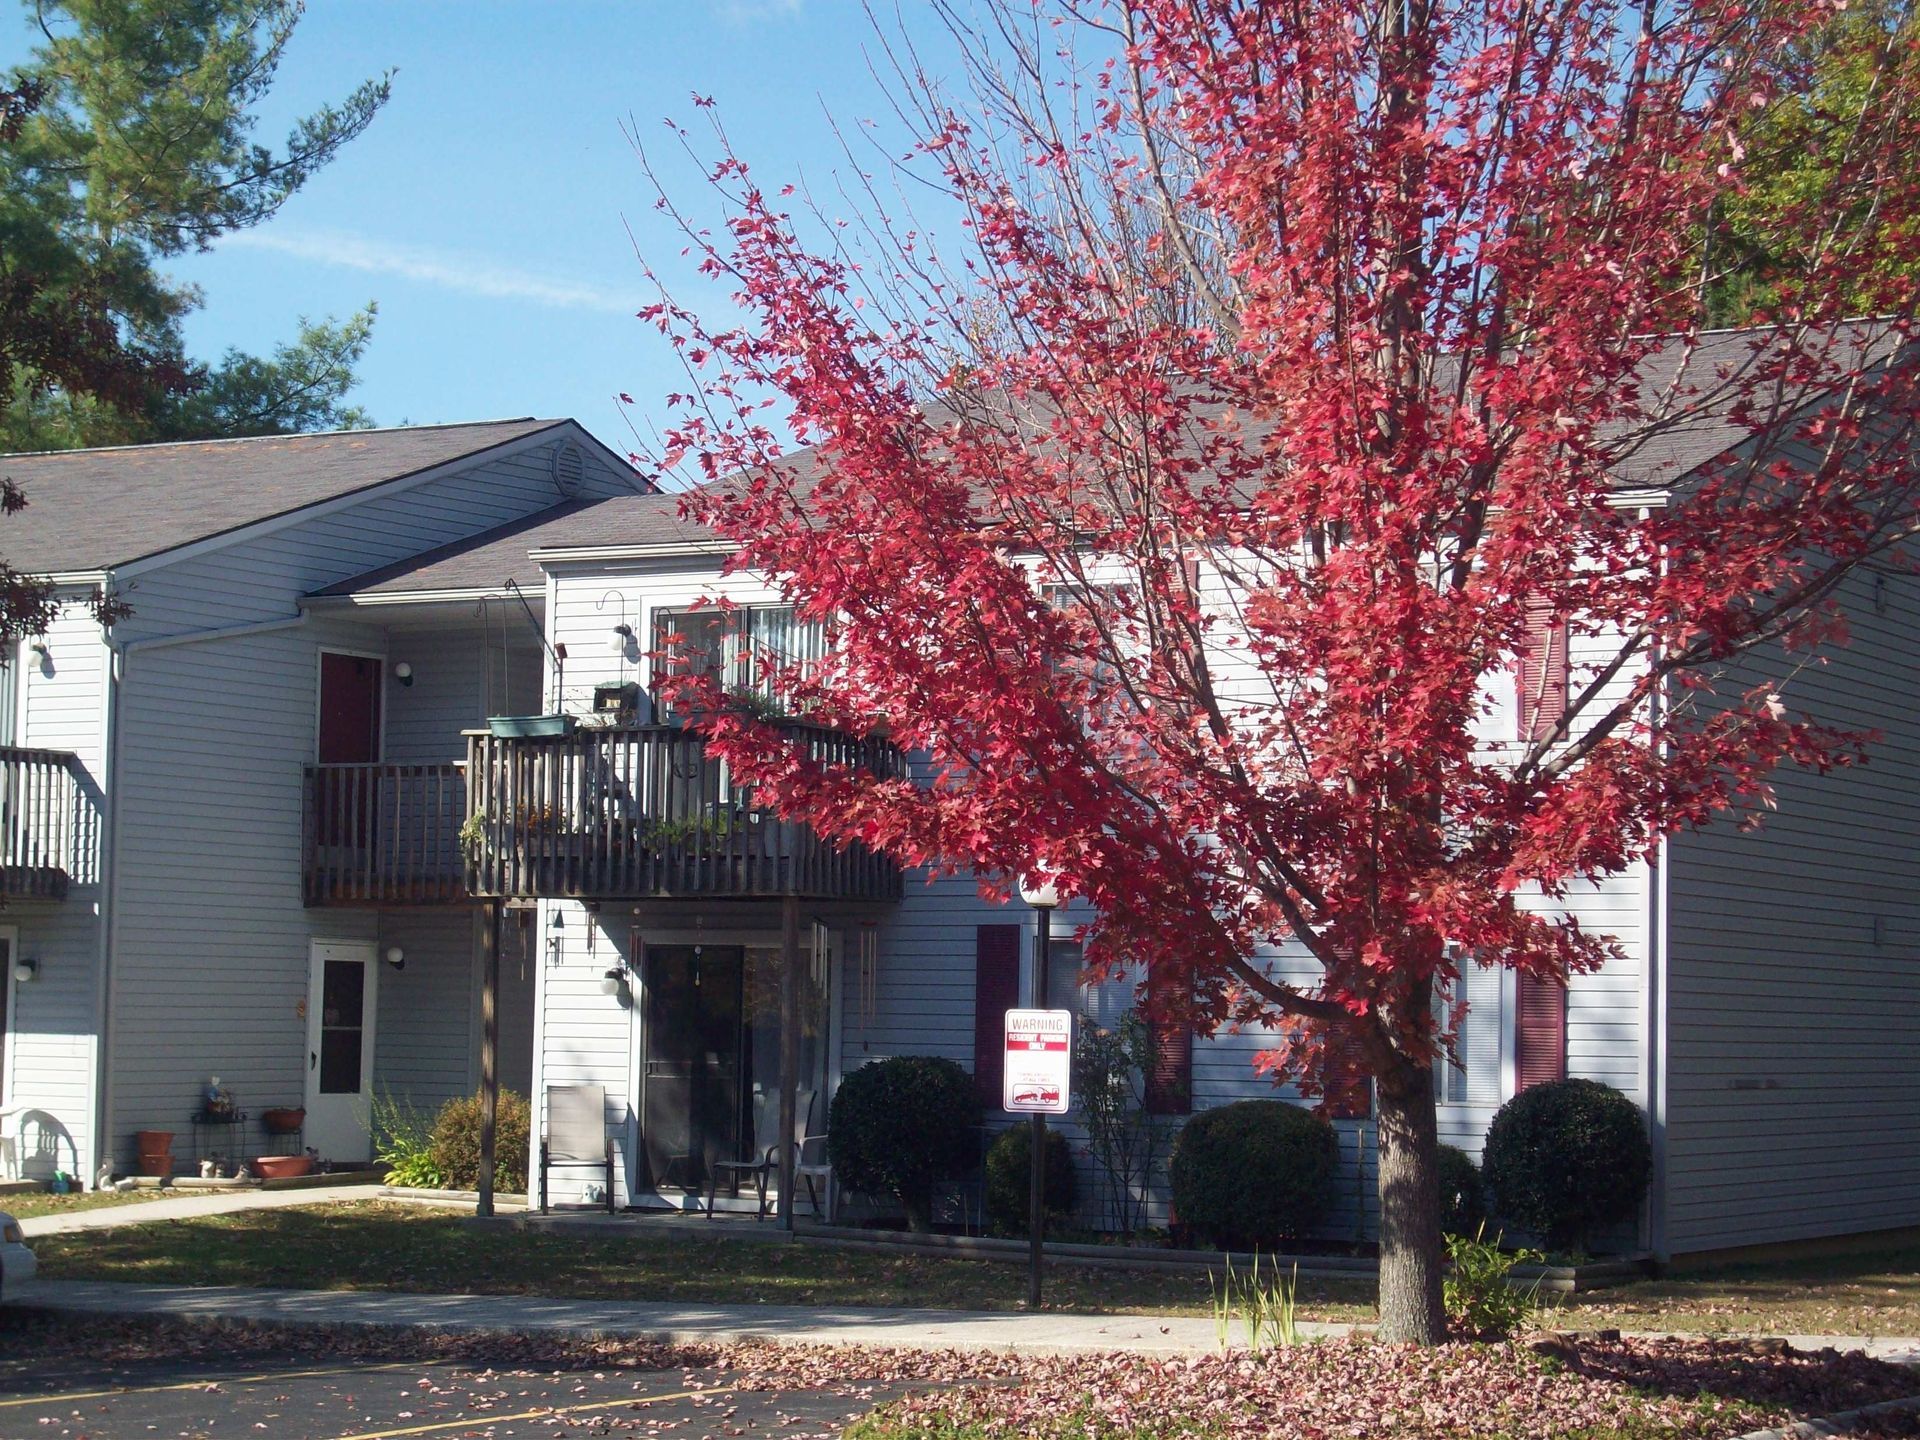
{"points": [[1044, 896]]}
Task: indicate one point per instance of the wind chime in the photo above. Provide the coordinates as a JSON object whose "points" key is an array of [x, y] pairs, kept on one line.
{"points": [[869, 954]]}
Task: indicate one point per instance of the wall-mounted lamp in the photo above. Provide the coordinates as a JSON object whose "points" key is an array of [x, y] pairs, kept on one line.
{"points": [[403, 672], [622, 638], [396, 957], [26, 971], [614, 982]]}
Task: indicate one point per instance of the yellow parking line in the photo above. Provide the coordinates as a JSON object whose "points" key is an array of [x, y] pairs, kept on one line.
{"points": [[199, 1384], [482, 1421]]}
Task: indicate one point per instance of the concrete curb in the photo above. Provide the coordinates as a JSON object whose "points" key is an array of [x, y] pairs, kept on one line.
{"points": [[1832, 1425]]}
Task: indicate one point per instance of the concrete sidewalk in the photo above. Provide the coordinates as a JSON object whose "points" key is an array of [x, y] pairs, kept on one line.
{"points": [[188, 1207], [1046, 1334], [678, 1324]]}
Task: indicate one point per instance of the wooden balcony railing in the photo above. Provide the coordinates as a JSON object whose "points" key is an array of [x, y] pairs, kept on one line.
{"points": [[39, 822], [384, 834], [646, 811]]}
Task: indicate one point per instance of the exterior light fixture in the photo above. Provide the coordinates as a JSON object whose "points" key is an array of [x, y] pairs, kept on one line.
{"points": [[614, 982], [396, 957], [26, 971], [1042, 892], [403, 672]]}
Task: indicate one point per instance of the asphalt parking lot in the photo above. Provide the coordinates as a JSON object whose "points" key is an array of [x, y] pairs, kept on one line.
{"points": [[288, 1399]]}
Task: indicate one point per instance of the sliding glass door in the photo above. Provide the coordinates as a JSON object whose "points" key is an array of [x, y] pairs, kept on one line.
{"points": [[710, 1065]]}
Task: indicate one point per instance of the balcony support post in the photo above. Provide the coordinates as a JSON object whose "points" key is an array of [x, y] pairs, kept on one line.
{"points": [[489, 1052], [789, 1048]]}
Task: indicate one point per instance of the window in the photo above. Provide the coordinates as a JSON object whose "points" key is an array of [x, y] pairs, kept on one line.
{"points": [[1449, 1075], [743, 649], [1472, 1075]]}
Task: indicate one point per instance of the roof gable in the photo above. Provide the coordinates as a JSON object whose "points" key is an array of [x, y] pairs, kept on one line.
{"points": [[102, 509]]}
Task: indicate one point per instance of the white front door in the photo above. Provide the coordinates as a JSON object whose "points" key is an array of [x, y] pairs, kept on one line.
{"points": [[340, 1016]]}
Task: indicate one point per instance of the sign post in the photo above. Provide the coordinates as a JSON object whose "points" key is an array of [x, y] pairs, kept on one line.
{"points": [[1037, 1080]]}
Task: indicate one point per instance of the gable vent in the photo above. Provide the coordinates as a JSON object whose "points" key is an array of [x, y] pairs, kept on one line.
{"points": [[569, 470]]}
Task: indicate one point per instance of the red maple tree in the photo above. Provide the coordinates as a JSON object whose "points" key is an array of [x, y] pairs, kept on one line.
{"points": [[1303, 373]]}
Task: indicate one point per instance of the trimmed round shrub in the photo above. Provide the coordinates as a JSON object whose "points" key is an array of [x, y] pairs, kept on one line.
{"points": [[1251, 1175], [898, 1127], [1566, 1159], [1010, 1179], [1463, 1202], [454, 1145]]}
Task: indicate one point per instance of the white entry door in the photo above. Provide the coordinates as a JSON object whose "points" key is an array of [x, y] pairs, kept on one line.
{"points": [[340, 1017]]}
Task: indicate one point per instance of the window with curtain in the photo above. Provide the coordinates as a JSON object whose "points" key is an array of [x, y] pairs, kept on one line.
{"points": [[1472, 1075], [743, 649]]}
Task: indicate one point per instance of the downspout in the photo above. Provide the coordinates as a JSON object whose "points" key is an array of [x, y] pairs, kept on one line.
{"points": [[1653, 1025], [103, 1156], [110, 849]]}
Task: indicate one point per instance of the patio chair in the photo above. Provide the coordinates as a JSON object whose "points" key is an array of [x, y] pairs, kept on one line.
{"points": [[759, 1170], [576, 1134], [812, 1165]]}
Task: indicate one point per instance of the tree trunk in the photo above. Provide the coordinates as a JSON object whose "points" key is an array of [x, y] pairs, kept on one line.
{"points": [[1411, 1308]]}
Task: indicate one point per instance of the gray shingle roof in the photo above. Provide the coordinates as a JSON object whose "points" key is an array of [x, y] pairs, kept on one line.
{"points": [[488, 560], [94, 509], [1697, 431]]}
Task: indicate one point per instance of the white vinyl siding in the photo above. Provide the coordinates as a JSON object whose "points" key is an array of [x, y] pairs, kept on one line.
{"points": [[211, 938], [1793, 993]]}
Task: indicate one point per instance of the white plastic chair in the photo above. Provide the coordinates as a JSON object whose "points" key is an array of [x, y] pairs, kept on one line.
{"points": [[10, 1141]]}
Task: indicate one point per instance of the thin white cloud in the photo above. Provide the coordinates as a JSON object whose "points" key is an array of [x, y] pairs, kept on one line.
{"points": [[449, 269]]}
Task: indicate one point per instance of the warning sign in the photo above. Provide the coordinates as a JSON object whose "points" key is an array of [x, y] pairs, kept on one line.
{"points": [[1039, 1054]]}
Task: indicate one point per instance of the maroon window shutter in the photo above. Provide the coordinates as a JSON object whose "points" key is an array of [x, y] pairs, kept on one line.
{"points": [[1542, 672], [996, 990], [1540, 1031], [1346, 1088], [1169, 1087]]}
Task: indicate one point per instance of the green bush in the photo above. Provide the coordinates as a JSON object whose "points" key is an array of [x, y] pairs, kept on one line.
{"points": [[1463, 1201], [1483, 1302], [1565, 1160], [898, 1127], [403, 1143], [1010, 1179], [455, 1144], [1252, 1175]]}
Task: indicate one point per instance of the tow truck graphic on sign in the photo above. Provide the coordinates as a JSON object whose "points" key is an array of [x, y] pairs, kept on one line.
{"points": [[1039, 1060]]}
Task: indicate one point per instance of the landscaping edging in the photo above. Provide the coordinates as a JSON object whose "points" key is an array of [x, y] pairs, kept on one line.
{"points": [[449, 1197], [1832, 1425], [1555, 1279]]}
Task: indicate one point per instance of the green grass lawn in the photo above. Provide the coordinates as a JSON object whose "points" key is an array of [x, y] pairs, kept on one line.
{"points": [[383, 1245], [28, 1204], [373, 1245]]}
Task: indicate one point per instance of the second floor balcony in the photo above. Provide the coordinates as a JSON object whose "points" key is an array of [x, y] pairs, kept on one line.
{"points": [[645, 812], [383, 834], [44, 824]]}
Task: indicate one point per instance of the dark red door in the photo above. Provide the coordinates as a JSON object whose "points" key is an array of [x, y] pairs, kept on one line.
{"points": [[348, 799], [349, 709]]}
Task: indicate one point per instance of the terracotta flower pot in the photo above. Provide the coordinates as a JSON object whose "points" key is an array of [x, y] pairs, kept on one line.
{"points": [[283, 1122], [282, 1167]]}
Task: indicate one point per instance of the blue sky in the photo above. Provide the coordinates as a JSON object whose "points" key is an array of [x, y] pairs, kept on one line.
{"points": [[486, 209]]}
